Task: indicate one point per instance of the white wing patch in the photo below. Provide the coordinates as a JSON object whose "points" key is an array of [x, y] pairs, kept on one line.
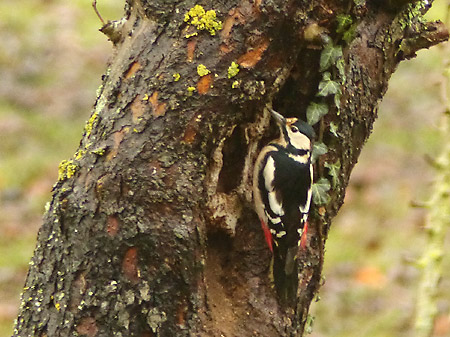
{"points": [[280, 234], [275, 206], [274, 221], [305, 208], [268, 174]]}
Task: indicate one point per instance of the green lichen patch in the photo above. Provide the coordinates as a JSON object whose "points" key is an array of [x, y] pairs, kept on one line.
{"points": [[344, 21], [414, 13], [203, 20], [99, 152], [66, 169], [346, 27], [233, 69], [202, 70]]}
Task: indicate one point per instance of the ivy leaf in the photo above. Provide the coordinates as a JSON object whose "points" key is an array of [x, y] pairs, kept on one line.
{"points": [[320, 190], [333, 171], [326, 76], [309, 324], [334, 129], [326, 57], [340, 65], [337, 101], [318, 150], [315, 112], [337, 53], [328, 87], [330, 54]]}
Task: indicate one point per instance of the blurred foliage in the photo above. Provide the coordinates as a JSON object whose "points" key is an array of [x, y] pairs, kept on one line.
{"points": [[437, 223], [51, 61]]}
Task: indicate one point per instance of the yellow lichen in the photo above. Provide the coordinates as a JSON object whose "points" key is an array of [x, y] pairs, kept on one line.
{"points": [[66, 169], [203, 20], [98, 152], [190, 90], [90, 123], [146, 97], [235, 84], [233, 69], [187, 36], [176, 77], [202, 70], [79, 154]]}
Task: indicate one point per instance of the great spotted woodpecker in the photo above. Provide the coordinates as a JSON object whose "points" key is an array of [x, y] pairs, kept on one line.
{"points": [[282, 180]]}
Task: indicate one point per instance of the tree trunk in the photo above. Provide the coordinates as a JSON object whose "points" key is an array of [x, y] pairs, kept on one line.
{"points": [[151, 230]]}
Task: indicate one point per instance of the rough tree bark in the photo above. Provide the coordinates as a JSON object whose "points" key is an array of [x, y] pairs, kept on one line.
{"points": [[151, 231]]}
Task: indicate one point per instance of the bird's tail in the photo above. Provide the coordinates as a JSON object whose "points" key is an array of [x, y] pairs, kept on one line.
{"points": [[285, 274]]}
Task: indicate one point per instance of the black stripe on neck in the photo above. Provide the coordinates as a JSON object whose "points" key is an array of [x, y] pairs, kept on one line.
{"points": [[292, 149], [301, 152]]}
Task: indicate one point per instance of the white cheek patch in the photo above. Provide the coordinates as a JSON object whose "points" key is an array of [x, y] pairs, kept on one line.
{"points": [[299, 140]]}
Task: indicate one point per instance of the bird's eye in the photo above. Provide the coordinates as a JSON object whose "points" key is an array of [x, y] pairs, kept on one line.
{"points": [[294, 129]]}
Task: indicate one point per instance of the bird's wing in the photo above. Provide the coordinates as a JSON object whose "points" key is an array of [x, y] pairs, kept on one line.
{"points": [[273, 206]]}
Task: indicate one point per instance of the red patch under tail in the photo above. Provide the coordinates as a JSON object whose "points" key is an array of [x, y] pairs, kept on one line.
{"points": [[304, 234], [267, 235]]}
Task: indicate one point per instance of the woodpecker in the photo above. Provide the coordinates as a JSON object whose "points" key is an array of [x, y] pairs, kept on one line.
{"points": [[282, 180]]}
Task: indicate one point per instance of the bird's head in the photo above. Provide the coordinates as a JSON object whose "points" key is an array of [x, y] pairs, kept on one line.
{"points": [[294, 131]]}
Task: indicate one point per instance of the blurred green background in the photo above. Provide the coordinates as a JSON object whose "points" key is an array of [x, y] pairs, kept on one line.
{"points": [[52, 57], [51, 61]]}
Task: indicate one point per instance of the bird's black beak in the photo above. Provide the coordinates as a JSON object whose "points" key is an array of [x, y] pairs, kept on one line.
{"points": [[278, 117]]}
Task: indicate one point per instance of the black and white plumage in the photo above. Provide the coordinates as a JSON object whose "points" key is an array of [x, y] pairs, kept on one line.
{"points": [[282, 180]]}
